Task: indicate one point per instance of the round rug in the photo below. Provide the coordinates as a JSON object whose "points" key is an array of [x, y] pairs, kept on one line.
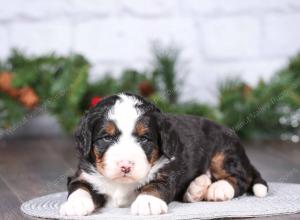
{"points": [[282, 198]]}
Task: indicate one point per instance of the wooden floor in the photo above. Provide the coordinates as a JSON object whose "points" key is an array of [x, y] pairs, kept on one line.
{"points": [[35, 167]]}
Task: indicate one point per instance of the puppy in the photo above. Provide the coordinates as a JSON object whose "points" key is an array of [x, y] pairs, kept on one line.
{"points": [[131, 154]]}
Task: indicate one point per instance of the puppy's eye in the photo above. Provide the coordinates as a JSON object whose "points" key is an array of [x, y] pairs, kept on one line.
{"points": [[107, 138], [143, 139]]}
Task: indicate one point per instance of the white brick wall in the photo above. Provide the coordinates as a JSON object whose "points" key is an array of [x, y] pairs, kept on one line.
{"points": [[4, 42], [218, 38], [42, 36]]}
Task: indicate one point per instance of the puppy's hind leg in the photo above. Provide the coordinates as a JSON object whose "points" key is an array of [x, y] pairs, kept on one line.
{"points": [[197, 189], [231, 173]]}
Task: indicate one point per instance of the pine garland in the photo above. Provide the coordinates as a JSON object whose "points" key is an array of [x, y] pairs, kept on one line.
{"points": [[60, 82], [268, 110]]}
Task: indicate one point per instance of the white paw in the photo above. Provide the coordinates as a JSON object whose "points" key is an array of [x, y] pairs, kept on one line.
{"points": [[79, 203], [197, 189], [260, 190], [220, 191], [148, 205]]}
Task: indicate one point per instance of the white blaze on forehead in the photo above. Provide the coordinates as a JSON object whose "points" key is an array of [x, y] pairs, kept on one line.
{"points": [[124, 113]]}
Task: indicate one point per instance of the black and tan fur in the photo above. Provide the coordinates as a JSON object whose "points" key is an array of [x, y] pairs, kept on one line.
{"points": [[193, 145]]}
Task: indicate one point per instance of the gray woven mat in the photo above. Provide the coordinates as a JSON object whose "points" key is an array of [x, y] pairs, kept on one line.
{"points": [[282, 199]]}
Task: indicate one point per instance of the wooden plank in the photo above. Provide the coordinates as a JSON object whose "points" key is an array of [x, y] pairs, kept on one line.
{"points": [[10, 204], [31, 168], [273, 162]]}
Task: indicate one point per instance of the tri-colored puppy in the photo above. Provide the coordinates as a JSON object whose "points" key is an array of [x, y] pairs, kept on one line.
{"points": [[131, 154]]}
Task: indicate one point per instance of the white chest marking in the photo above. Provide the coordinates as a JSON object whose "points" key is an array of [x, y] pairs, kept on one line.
{"points": [[120, 194]]}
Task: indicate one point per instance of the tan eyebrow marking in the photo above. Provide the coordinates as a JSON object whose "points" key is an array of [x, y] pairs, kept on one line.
{"points": [[110, 128], [140, 129]]}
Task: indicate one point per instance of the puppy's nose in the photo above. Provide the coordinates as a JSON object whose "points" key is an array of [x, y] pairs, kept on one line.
{"points": [[125, 169], [125, 166]]}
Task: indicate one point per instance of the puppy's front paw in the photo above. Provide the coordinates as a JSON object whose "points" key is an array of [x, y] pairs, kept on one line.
{"points": [[197, 189], [220, 191], [148, 205], [79, 203]]}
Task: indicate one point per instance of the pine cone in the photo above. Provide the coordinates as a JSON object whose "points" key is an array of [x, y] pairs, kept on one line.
{"points": [[5, 81], [6, 84], [28, 97], [146, 89]]}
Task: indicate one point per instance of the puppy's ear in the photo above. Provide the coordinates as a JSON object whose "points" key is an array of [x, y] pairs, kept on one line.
{"points": [[168, 137], [83, 136]]}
